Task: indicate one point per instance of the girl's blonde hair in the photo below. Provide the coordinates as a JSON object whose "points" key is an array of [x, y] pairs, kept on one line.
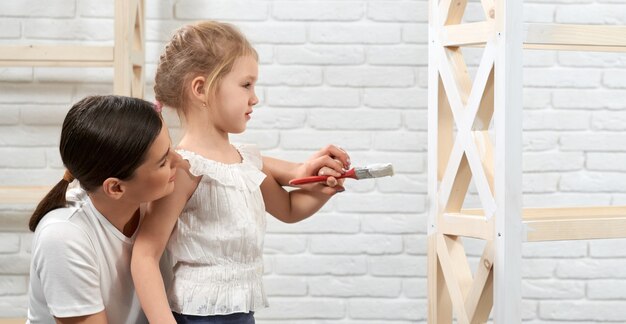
{"points": [[206, 48]]}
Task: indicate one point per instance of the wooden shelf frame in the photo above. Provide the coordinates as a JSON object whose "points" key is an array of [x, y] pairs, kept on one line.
{"points": [[460, 149], [565, 37], [543, 224], [56, 55], [126, 57]]}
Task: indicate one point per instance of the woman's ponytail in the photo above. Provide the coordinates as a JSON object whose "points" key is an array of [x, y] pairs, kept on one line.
{"points": [[102, 137], [53, 200]]}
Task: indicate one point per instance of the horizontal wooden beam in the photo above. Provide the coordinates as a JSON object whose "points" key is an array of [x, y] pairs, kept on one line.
{"points": [[56, 55], [12, 320], [466, 225], [585, 223], [574, 223], [22, 195], [476, 33], [558, 37], [575, 37]]}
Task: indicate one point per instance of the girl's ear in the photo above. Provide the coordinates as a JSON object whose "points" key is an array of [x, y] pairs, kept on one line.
{"points": [[197, 89], [113, 188]]}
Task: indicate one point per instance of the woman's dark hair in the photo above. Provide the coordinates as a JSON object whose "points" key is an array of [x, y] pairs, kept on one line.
{"points": [[102, 137]]}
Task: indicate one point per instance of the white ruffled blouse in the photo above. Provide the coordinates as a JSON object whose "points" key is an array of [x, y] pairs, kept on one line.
{"points": [[217, 245]]}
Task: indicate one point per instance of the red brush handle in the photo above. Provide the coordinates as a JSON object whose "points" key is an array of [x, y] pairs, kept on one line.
{"points": [[294, 182]]}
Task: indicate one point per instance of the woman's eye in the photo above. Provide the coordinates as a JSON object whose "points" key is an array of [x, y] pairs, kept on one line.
{"points": [[247, 85]]}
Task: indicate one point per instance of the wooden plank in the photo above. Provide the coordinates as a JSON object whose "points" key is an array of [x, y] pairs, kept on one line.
{"points": [[55, 55], [479, 301], [12, 320], [455, 80], [485, 110], [477, 161], [441, 126], [577, 35], [577, 48], [453, 282], [129, 51], [439, 302], [563, 37], [439, 147], [489, 9], [582, 212], [452, 11], [508, 162], [476, 226], [467, 34], [573, 223], [575, 229], [460, 74], [455, 183], [22, 195]]}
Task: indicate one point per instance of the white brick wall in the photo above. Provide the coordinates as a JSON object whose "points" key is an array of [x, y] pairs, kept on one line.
{"points": [[353, 73]]}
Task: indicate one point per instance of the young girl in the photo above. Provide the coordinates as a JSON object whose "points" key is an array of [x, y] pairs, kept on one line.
{"points": [[208, 73], [119, 150]]}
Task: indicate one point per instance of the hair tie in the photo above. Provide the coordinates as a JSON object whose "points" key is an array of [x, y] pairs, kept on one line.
{"points": [[158, 106], [67, 176]]}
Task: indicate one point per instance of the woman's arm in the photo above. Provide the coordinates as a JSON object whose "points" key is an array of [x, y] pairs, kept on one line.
{"points": [[98, 318], [296, 205], [152, 238]]}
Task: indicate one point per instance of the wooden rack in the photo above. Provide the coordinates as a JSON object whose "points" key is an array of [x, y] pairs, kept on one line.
{"points": [[460, 149], [126, 57]]}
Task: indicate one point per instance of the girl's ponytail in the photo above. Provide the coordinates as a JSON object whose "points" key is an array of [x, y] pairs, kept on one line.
{"points": [[53, 200]]}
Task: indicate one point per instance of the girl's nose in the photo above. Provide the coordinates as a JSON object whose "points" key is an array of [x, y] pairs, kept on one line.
{"points": [[254, 100]]}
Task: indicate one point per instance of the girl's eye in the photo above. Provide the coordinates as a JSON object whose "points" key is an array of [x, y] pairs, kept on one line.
{"points": [[247, 85], [164, 163]]}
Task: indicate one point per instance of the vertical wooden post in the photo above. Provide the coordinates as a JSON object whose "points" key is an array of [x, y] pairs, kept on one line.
{"points": [[439, 303], [458, 104], [508, 161], [129, 48]]}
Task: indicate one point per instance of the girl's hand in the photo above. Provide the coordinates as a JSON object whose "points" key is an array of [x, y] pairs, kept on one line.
{"points": [[331, 161]]}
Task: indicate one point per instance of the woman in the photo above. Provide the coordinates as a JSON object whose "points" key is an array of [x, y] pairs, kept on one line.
{"points": [[118, 149]]}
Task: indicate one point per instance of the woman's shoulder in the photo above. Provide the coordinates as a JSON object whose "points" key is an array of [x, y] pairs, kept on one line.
{"points": [[63, 229]]}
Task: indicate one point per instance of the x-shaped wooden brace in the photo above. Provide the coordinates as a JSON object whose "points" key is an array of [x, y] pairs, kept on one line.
{"points": [[471, 106], [472, 298], [467, 118]]}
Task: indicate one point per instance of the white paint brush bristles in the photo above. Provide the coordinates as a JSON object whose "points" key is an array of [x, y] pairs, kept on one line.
{"points": [[374, 171], [368, 172]]}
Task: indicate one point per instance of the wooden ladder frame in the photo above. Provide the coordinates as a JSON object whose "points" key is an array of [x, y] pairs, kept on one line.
{"points": [[461, 112], [126, 57]]}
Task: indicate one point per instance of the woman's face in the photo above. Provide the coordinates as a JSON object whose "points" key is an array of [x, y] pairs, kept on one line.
{"points": [[155, 177]]}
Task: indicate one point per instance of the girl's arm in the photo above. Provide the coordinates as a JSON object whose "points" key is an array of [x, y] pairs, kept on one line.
{"points": [[150, 243], [296, 205], [331, 156]]}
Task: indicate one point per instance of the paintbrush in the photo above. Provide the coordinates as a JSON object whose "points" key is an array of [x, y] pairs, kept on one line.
{"points": [[358, 173]]}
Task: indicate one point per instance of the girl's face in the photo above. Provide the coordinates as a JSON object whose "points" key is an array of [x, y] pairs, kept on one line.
{"points": [[235, 96], [155, 177]]}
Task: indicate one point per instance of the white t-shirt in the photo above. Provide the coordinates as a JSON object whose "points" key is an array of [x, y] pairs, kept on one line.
{"points": [[80, 266]]}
